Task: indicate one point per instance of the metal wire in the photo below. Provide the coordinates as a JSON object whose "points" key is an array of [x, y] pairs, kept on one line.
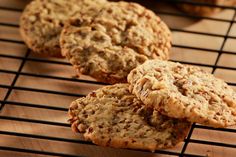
{"points": [[26, 58]]}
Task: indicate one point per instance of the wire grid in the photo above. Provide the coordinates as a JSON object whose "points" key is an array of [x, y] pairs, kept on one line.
{"points": [[5, 101]]}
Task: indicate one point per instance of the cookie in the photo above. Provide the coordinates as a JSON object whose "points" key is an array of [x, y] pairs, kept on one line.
{"points": [[116, 40], [204, 10], [42, 21], [112, 116], [182, 91]]}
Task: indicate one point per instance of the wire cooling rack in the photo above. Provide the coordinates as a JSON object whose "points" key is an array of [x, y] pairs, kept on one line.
{"points": [[35, 92]]}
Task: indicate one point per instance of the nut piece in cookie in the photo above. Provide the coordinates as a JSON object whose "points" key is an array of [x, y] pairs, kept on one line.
{"points": [[112, 116], [42, 21], [120, 37], [182, 91]]}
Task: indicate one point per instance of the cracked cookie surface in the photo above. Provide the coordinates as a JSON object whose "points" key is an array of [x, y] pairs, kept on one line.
{"points": [[42, 21], [182, 91], [112, 116], [116, 40]]}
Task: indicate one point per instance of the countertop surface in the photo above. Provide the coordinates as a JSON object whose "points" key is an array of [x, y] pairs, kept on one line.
{"points": [[37, 91]]}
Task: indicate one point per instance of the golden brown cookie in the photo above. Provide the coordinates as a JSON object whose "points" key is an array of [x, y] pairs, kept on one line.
{"points": [[42, 21], [116, 40], [205, 10], [182, 91], [112, 116]]}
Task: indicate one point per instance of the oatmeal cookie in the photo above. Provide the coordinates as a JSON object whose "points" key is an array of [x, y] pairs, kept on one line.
{"points": [[112, 116], [120, 37], [183, 91], [204, 10]]}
